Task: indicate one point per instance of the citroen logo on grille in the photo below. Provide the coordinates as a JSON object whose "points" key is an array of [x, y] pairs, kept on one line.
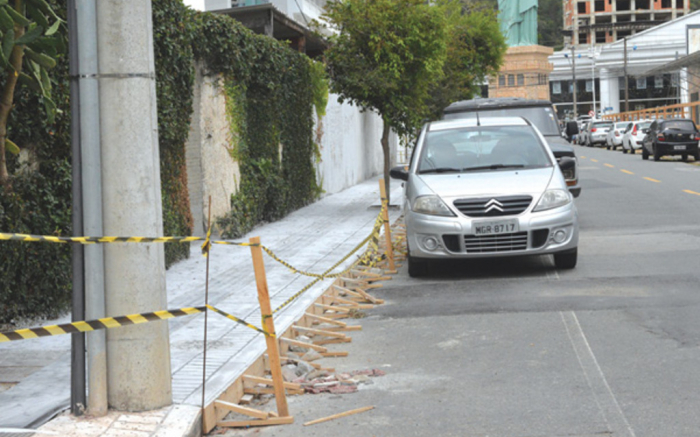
{"points": [[493, 204]]}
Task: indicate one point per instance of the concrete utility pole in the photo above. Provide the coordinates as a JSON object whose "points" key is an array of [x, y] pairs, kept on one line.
{"points": [[138, 357], [573, 69], [627, 85]]}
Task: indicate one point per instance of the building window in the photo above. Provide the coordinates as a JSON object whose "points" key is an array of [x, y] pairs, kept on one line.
{"points": [[501, 81], [675, 79], [556, 87], [658, 82], [542, 79], [571, 87], [521, 79], [511, 80], [589, 86], [641, 83]]}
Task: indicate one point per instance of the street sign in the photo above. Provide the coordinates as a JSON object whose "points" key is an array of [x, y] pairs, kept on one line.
{"points": [[590, 113]]}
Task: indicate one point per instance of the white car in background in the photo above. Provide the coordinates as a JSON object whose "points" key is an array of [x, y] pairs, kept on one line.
{"points": [[614, 137], [597, 132], [634, 134]]}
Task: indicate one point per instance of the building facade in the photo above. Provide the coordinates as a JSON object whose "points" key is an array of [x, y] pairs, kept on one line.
{"points": [[606, 21], [525, 73]]}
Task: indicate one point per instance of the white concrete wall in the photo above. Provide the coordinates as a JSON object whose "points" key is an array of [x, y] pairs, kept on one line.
{"points": [[211, 171], [351, 151]]}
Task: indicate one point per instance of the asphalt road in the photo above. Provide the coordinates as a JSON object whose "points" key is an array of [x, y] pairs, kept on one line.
{"points": [[506, 348]]}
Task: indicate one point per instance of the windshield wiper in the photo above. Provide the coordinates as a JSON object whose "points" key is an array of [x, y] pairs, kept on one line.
{"points": [[439, 170], [492, 167]]}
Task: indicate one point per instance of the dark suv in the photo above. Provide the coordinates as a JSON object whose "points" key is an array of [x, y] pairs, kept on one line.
{"points": [[539, 112], [678, 136]]}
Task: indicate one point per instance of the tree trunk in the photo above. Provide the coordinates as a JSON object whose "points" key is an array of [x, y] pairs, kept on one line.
{"points": [[8, 93], [387, 158]]}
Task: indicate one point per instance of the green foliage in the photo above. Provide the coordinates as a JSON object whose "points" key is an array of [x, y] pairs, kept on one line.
{"points": [[35, 279], [173, 30], [319, 86], [694, 5], [550, 24], [386, 55], [475, 50]]}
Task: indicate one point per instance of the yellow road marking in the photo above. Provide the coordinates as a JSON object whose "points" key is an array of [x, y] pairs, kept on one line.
{"points": [[691, 192], [594, 160], [609, 165], [626, 171], [652, 180], [582, 157]]}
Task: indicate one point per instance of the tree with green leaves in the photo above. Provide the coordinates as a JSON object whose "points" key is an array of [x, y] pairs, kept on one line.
{"points": [[408, 59], [29, 43], [384, 58], [475, 50]]}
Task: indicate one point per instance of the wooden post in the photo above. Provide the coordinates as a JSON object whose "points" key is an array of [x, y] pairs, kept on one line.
{"points": [[387, 225], [269, 326]]}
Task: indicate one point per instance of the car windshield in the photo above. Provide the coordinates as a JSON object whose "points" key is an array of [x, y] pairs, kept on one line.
{"points": [[622, 126], [679, 124], [541, 116], [603, 124], [482, 149], [644, 125]]}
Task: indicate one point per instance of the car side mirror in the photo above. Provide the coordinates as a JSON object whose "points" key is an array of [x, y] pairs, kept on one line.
{"points": [[399, 172], [567, 163]]}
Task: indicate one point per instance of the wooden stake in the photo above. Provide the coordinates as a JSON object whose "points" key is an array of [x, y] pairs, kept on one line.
{"points": [[268, 324], [332, 308], [268, 381], [325, 320], [318, 332], [302, 344], [387, 225], [339, 415], [252, 412], [265, 422]]}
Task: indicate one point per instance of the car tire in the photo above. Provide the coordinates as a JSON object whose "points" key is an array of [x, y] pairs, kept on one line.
{"points": [[566, 260], [684, 157], [645, 154], [657, 154], [697, 156], [624, 151], [614, 148], [608, 147]]}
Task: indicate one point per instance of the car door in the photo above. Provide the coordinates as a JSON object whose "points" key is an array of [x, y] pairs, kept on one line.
{"points": [[648, 140]]}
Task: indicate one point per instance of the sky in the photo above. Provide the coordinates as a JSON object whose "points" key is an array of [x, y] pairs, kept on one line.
{"points": [[196, 4]]}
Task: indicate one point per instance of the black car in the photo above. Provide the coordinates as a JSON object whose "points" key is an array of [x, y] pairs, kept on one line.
{"points": [[678, 136], [540, 113]]}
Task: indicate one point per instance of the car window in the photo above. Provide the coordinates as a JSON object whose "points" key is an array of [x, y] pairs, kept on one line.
{"points": [[625, 126], [603, 124], [679, 124], [644, 125], [482, 149], [541, 116], [628, 128]]}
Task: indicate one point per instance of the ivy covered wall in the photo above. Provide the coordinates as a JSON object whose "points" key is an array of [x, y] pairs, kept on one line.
{"points": [[275, 90]]}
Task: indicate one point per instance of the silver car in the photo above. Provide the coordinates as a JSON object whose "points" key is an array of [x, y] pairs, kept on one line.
{"points": [[489, 187]]}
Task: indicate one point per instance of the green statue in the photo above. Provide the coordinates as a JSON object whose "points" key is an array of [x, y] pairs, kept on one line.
{"points": [[518, 21]]}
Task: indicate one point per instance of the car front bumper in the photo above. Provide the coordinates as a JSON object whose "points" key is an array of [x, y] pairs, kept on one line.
{"points": [[454, 234]]}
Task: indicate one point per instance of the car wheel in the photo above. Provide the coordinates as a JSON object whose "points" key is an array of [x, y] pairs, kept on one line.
{"points": [[608, 147], [566, 260], [645, 154], [684, 157], [614, 148], [697, 156], [624, 150], [657, 154]]}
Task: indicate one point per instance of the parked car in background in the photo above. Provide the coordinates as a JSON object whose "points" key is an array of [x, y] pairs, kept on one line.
{"points": [[634, 134], [677, 136], [540, 112], [614, 137], [581, 137], [486, 188], [597, 132]]}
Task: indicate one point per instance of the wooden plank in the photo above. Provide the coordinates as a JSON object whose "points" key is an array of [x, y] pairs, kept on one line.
{"points": [[339, 415], [356, 305], [346, 328], [333, 354], [347, 291], [266, 311], [268, 381], [270, 391], [302, 344], [246, 399], [365, 273], [294, 360], [252, 412], [333, 341], [246, 423], [325, 320], [369, 297], [354, 280], [331, 308], [318, 332]]}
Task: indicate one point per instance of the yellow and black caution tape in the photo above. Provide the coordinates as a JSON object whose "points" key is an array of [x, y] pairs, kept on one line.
{"points": [[93, 325], [108, 240], [115, 322], [237, 320]]}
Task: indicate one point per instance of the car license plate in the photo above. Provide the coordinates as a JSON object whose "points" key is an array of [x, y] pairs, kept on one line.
{"points": [[496, 227], [678, 147]]}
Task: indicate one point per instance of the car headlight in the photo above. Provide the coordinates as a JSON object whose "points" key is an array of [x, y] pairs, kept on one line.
{"points": [[431, 205], [553, 199]]}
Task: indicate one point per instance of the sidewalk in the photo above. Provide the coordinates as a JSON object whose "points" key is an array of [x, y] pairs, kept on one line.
{"points": [[311, 239]]}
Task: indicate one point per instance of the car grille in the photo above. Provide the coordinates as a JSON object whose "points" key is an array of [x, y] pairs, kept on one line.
{"points": [[493, 206], [495, 243]]}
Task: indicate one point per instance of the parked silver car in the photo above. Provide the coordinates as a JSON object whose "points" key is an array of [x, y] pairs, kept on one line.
{"points": [[487, 187]]}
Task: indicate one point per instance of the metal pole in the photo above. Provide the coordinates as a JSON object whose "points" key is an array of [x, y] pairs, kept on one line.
{"points": [[627, 85], [573, 68], [595, 114], [92, 196], [77, 387]]}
